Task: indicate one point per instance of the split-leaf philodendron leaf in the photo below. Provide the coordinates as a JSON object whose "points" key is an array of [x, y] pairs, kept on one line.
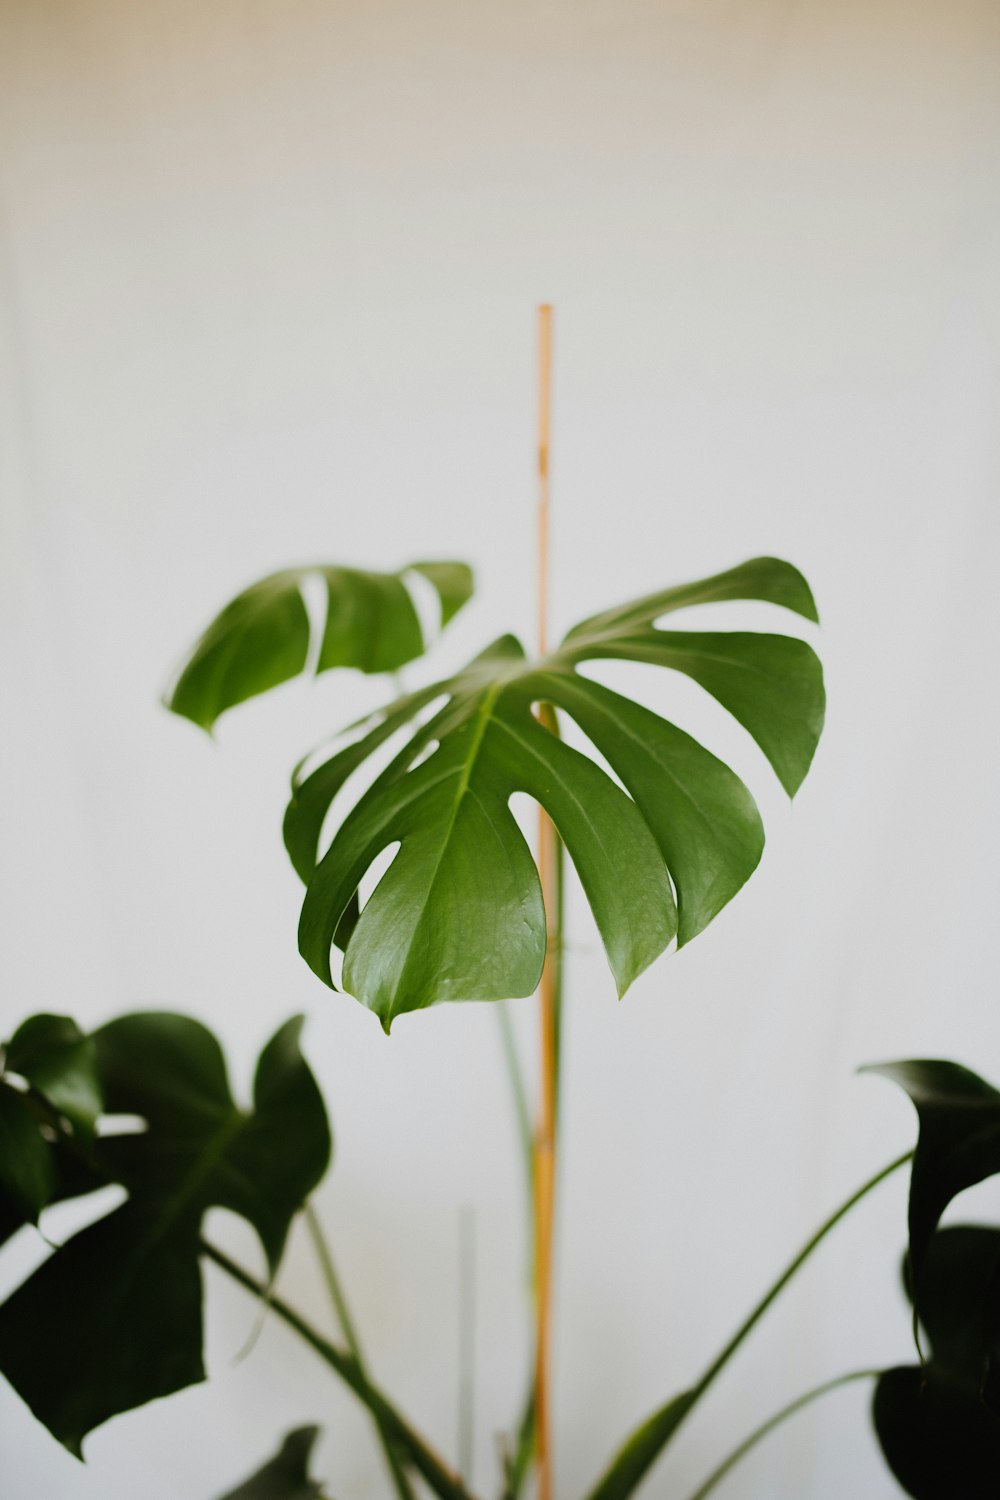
{"points": [[264, 636], [459, 914], [286, 1476], [939, 1423], [113, 1318]]}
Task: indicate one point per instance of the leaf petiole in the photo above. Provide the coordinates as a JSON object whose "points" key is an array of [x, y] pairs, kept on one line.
{"points": [[776, 1420], [445, 1483], [324, 1256]]}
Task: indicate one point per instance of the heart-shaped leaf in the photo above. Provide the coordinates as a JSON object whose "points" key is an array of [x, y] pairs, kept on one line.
{"points": [[938, 1433], [459, 914], [958, 1144], [264, 636], [286, 1476], [113, 1318]]}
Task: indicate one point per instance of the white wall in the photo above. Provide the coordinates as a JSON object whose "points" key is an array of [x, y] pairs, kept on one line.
{"points": [[268, 295]]}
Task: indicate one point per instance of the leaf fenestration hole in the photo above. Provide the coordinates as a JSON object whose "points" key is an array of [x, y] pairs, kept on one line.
{"points": [[372, 876], [426, 602], [316, 599]]}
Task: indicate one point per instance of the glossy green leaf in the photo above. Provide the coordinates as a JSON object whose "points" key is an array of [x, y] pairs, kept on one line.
{"points": [[55, 1057], [113, 1318], [938, 1434], [458, 914], [958, 1143], [264, 636], [286, 1476]]}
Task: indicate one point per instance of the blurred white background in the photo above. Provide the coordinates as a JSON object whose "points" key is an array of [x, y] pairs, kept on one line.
{"points": [[269, 279]]}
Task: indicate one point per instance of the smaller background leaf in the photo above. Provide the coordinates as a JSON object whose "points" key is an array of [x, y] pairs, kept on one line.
{"points": [[55, 1057], [286, 1476], [938, 1435], [27, 1177], [264, 636]]}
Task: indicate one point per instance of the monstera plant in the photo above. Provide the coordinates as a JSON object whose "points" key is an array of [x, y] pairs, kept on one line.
{"points": [[661, 833]]}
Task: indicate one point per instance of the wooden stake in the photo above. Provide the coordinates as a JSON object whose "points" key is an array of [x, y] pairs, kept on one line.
{"points": [[545, 1138]]}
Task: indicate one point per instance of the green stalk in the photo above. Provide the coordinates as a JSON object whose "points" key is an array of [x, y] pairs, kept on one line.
{"points": [[773, 1422], [519, 1094], [645, 1444], [445, 1483], [336, 1293]]}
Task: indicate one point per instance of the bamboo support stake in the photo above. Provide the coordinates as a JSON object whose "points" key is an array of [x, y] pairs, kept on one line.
{"points": [[545, 1139]]}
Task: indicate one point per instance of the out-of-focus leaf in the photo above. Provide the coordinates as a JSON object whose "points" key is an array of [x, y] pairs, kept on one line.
{"points": [[458, 914], [940, 1442], [958, 1143], [26, 1173], [108, 1322], [55, 1057], [958, 1307], [939, 1433], [113, 1318], [264, 636], [170, 1070], [286, 1476]]}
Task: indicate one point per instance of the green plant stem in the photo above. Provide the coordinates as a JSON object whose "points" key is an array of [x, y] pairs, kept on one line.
{"points": [[800, 1260], [443, 1481], [772, 1422], [645, 1444], [795, 1265], [324, 1256], [466, 1425], [519, 1094]]}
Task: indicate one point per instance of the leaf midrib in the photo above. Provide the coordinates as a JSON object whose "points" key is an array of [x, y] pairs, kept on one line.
{"points": [[464, 771]]}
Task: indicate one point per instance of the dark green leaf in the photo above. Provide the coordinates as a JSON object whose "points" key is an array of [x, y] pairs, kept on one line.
{"points": [[958, 1144], [958, 1308], [939, 1435], [27, 1176], [59, 1061], [200, 1149], [940, 1442], [107, 1323], [286, 1476], [458, 914], [114, 1317], [263, 636], [632, 1462]]}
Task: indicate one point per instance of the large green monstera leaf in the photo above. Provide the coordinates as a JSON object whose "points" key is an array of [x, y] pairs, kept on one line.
{"points": [[113, 1317], [264, 636], [458, 914]]}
